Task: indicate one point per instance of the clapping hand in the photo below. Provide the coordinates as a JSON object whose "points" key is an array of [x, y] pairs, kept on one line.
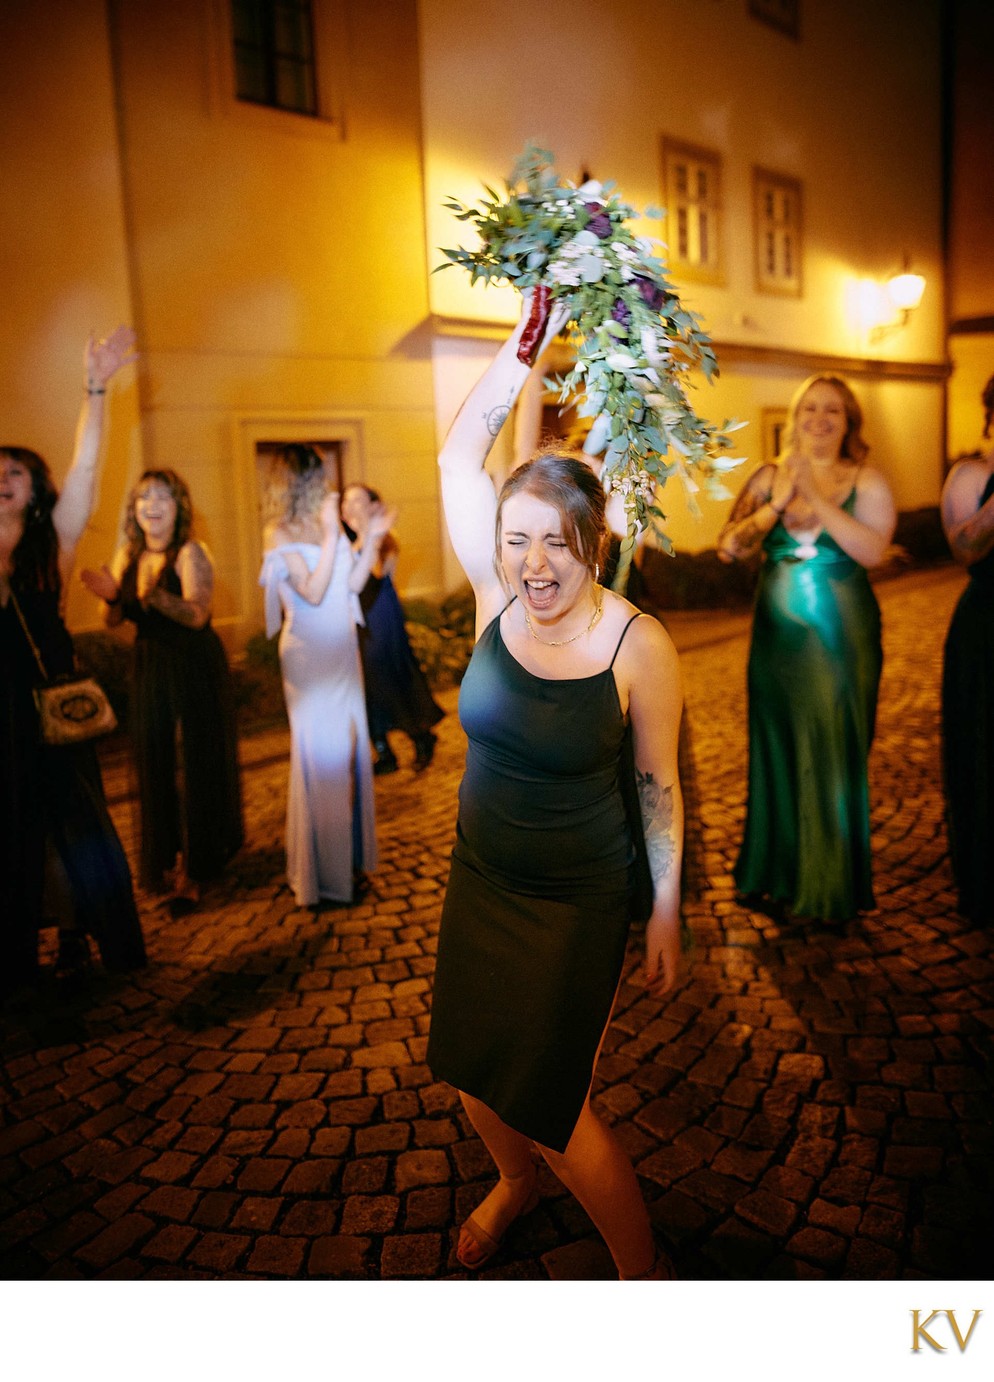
{"points": [[381, 520], [101, 583], [799, 467], [105, 357], [783, 488]]}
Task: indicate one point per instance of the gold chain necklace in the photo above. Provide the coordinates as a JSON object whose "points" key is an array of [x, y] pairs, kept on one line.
{"points": [[562, 642]]}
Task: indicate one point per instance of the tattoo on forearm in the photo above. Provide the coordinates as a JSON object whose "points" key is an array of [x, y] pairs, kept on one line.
{"points": [[178, 609], [656, 803], [744, 532], [748, 534], [496, 418]]}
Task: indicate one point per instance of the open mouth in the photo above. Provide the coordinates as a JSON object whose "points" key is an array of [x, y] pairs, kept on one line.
{"points": [[541, 594]]}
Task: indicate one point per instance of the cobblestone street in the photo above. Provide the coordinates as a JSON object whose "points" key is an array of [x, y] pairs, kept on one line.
{"points": [[256, 1104]]}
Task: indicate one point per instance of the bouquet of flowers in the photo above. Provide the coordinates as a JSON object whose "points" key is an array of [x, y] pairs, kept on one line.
{"points": [[635, 343]]}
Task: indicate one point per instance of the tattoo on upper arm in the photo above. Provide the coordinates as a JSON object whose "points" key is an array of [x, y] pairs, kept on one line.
{"points": [[976, 536], [200, 576], [656, 803], [193, 606]]}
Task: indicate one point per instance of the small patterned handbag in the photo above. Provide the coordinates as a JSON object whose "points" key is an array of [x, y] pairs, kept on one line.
{"points": [[71, 709]]}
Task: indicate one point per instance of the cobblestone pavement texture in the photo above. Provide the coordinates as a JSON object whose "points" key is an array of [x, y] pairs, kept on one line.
{"points": [[256, 1104]]}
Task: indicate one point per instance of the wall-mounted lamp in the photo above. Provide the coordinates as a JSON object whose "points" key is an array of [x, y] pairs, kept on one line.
{"points": [[900, 294]]}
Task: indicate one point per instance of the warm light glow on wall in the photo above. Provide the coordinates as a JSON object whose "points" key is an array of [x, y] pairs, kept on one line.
{"points": [[878, 308], [866, 305], [905, 291]]}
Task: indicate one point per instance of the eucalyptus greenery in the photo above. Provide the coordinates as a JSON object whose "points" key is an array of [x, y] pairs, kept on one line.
{"points": [[635, 343]]}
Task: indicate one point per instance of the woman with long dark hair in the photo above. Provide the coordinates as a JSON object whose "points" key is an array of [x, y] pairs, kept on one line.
{"points": [[57, 830], [182, 705]]}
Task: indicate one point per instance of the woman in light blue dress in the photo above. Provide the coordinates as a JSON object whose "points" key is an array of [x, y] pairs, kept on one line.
{"points": [[312, 579]]}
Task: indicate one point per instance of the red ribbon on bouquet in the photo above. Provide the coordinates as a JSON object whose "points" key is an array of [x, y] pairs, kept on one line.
{"points": [[538, 320]]}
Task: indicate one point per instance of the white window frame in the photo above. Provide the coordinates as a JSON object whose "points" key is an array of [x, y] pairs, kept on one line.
{"points": [[693, 229], [330, 22], [778, 233]]}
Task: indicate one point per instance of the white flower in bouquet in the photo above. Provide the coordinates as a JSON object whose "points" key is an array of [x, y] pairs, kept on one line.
{"points": [[635, 343]]}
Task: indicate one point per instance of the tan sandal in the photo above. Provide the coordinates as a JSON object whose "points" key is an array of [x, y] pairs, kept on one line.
{"points": [[484, 1242], [661, 1270]]}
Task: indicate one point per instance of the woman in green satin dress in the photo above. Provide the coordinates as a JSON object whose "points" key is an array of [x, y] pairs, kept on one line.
{"points": [[821, 517]]}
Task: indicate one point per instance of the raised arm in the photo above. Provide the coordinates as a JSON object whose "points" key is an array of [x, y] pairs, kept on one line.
{"points": [[192, 607], [312, 585], [389, 552], [76, 501], [385, 559], [755, 513], [652, 669], [968, 524], [468, 495], [377, 529]]}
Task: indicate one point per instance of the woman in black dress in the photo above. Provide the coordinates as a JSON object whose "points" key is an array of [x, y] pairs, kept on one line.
{"points": [[397, 692], [968, 680], [57, 831], [571, 705], [182, 707]]}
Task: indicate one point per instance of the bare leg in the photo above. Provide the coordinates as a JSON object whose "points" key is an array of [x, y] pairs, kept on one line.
{"points": [[511, 1152], [596, 1170]]}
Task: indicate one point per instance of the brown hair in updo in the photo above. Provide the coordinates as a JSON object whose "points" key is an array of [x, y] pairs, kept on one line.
{"points": [[295, 486], [570, 487]]}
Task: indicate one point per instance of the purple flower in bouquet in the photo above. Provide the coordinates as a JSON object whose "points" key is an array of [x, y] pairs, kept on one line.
{"points": [[599, 223], [632, 352], [651, 293], [621, 312]]}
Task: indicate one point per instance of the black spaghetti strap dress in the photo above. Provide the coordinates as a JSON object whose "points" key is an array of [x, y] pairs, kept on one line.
{"points": [[183, 726], [547, 871], [968, 739]]}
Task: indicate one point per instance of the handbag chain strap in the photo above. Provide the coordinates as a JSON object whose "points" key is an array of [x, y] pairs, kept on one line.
{"points": [[27, 635]]}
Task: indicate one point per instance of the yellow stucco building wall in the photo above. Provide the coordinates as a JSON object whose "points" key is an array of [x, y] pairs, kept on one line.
{"points": [[273, 265], [851, 108], [278, 268]]}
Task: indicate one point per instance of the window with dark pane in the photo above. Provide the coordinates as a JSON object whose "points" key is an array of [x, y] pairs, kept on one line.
{"points": [[779, 243], [692, 179], [274, 54]]}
